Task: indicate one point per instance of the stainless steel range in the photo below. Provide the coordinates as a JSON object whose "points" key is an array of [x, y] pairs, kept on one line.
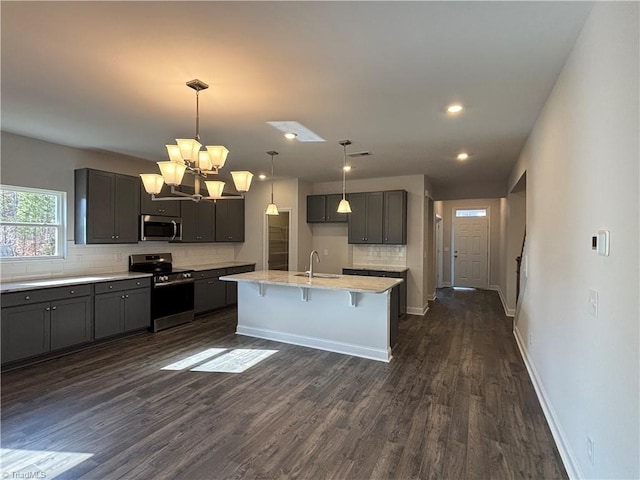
{"points": [[172, 292]]}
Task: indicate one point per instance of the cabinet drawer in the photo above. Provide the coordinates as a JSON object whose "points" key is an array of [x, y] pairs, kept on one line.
{"points": [[214, 273], [241, 269], [29, 297], [119, 285]]}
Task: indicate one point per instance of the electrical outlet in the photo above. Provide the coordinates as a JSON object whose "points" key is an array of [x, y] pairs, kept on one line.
{"points": [[531, 339], [592, 303], [590, 450]]}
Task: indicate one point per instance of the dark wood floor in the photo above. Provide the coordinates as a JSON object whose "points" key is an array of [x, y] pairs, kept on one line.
{"points": [[454, 403]]}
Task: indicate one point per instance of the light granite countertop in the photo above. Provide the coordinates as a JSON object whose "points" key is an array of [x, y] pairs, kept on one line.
{"points": [[65, 281], [381, 268], [213, 266], [351, 283]]}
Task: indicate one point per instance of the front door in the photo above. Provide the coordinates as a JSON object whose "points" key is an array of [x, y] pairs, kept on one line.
{"points": [[470, 250]]}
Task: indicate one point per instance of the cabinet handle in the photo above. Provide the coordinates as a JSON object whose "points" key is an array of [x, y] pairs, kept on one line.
{"points": [[138, 283], [210, 282], [72, 292], [113, 236], [110, 287], [53, 308], [122, 296], [126, 296], [117, 236], [229, 237], [47, 309], [27, 297]]}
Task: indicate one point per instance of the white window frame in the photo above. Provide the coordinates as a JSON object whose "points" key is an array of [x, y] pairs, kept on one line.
{"points": [[469, 212], [60, 224]]}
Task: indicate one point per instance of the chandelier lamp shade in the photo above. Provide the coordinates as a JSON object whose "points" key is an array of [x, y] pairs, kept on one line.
{"points": [[188, 156], [272, 208], [343, 206]]}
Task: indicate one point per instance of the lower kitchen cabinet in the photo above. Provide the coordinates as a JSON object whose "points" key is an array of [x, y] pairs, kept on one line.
{"points": [[40, 321], [122, 306], [209, 292], [232, 287]]}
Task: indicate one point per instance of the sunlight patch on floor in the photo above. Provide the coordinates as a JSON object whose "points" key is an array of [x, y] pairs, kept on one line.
{"points": [[464, 288], [236, 361], [194, 359], [36, 464]]}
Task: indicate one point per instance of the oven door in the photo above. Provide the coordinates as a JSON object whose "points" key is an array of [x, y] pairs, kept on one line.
{"points": [[171, 300], [154, 228]]}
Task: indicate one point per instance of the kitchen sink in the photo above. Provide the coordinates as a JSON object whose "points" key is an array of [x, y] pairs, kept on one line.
{"points": [[318, 275]]}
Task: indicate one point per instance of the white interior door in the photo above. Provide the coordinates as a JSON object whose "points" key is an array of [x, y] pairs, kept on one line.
{"points": [[470, 252]]}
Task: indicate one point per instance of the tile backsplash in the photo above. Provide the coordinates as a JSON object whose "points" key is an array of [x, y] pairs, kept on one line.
{"points": [[97, 259], [392, 255]]}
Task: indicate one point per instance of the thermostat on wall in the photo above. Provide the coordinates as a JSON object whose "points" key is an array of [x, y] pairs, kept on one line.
{"points": [[600, 243]]}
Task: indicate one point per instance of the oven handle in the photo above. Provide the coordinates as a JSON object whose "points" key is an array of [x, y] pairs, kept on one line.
{"points": [[176, 282], [175, 229]]}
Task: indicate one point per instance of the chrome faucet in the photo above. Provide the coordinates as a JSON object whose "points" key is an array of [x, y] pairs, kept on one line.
{"points": [[310, 272]]}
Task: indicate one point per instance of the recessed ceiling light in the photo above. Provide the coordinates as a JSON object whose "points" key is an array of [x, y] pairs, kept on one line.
{"points": [[347, 168], [303, 134], [290, 135], [454, 108], [262, 176], [462, 156]]}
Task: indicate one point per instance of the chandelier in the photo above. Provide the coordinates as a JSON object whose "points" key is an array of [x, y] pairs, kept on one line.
{"points": [[189, 157]]}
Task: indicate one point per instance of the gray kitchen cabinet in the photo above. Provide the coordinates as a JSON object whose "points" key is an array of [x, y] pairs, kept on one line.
{"points": [[107, 207], [165, 208], [229, 220], [232, 287], [209, 291], [35, 322], [366, 218], [122, 306], [323, 209], [198, 221], [395, 217]]}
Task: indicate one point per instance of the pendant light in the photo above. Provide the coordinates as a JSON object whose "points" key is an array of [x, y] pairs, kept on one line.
{"points": [[343, 206], [272, 209]]}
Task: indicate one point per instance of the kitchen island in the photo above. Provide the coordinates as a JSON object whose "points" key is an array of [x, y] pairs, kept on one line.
{"points": [[340, 313]]}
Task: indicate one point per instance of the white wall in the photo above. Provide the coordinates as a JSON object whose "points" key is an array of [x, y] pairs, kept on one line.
{"points": [[582, 175]]}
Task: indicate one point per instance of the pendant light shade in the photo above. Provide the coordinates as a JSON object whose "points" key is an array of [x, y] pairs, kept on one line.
{"points": [[242, 180], [343, 206], [214, 188], [152, 182], [272, 209], [218, 155], [172, 172]]}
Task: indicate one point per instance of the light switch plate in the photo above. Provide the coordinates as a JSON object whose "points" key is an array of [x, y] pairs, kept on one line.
{"points": [[603, 243], [592, 303]]}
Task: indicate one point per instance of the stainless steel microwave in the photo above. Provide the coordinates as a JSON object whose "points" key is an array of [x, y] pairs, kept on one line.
{"points": [[156, 228]]}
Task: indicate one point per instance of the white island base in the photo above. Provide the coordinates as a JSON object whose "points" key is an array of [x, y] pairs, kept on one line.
{"points": [[338, 320]]}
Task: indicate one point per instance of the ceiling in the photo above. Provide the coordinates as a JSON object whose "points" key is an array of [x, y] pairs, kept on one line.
{"points": [[111, 76]]}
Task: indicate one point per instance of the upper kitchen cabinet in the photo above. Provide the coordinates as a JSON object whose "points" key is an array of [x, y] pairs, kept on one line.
{"points": [[395, 217], [323, 209], [198, 221], [230, 220], [365, 222], [107, 207], [166, 208]]}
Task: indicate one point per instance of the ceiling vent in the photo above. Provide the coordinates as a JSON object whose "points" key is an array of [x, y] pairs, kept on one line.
{"points": [[359, 154]]}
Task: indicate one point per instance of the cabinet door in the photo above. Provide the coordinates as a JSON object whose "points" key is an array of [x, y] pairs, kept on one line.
{"points": [[331, 209], [229, 221], [165, 208], [109, 314], [127, 208], [201, 296], [374, 210], [100, 207], [210, 294], [395, 217], [137, 309], [205, 212], [189, 221], [25, 331], [71, 322], [358, 218], [316, 206]]}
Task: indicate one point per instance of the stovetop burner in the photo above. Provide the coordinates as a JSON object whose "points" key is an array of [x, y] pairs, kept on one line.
{"points": [[160, 264]]}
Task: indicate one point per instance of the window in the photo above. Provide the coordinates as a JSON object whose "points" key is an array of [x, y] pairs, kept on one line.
{"points": [[475, 212], [32, 223]]}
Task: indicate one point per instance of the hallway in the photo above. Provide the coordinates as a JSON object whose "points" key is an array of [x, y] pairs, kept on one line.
{"points": [[455, 402]]}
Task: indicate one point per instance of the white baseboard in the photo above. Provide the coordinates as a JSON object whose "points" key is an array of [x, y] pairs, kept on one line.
{"points": [[320, 344], [446, 284], [509, 312], [431, 297], [418, 310], [568, 459]]}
